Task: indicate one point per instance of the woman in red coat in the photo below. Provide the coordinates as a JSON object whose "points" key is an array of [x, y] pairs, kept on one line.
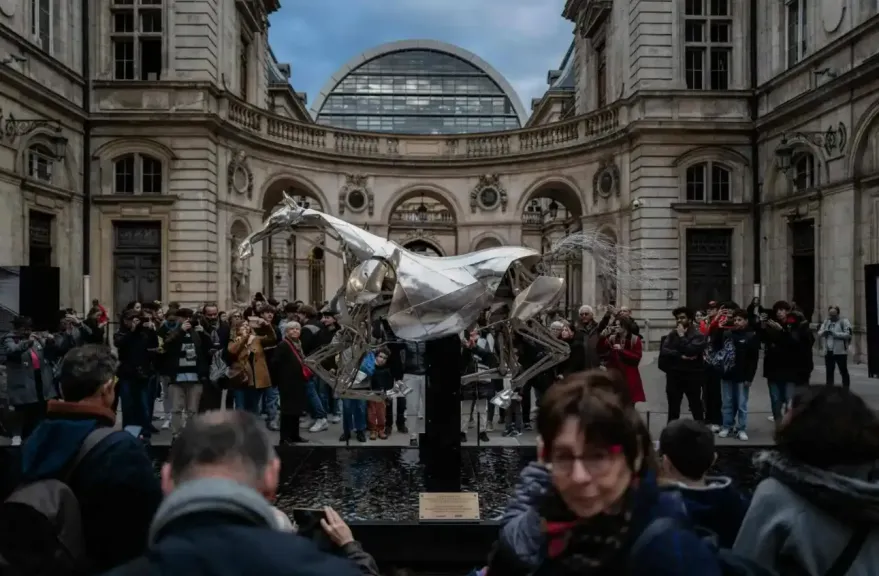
{"points": [[622, 349]]}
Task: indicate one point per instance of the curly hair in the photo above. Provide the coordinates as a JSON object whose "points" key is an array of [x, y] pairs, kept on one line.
{"points": [[829, 427]]}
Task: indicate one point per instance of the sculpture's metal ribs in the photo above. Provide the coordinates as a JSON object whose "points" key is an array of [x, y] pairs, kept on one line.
{"points": [[423, 298]]}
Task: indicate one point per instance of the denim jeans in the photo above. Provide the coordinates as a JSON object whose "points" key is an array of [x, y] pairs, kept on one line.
{"points": [[136, 396], [316, 399], [248, 399], [271, 401], [353, 415], [734, 408], [332, 405], [780, 396]]}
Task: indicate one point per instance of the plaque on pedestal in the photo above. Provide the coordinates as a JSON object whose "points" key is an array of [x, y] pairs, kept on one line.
{"points": [[448, 507]]}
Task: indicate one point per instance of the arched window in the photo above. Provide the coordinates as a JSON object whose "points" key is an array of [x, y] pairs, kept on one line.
{"points": [[709, 182], [137, 174], [803, 171], [40, 161]]}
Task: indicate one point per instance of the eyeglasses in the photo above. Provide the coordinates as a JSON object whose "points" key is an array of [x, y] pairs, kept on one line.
{"points": [[597, 463]]}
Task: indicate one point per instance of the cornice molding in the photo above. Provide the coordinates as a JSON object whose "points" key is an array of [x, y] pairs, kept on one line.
{"points": [[34, 52]]}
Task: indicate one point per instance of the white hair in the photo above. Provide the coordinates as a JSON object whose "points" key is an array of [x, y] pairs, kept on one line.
{"points": [[586, 309], [558, 325], [292, 324]]}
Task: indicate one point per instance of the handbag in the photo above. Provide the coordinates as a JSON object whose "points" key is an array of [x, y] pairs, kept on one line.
{"points": [[238, 378], [219, 369]]}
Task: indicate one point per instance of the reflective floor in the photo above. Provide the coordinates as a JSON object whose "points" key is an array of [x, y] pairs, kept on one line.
{"points": [[383, 484]]}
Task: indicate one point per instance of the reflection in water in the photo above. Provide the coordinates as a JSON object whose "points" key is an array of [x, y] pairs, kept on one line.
{"points": [[384, 483]]}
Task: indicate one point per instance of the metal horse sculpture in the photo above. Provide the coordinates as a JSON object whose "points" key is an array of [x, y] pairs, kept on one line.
{"points": [[424, 297]]}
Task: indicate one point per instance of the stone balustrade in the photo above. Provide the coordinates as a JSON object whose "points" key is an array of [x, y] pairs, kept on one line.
{"points": [[570, 133]]}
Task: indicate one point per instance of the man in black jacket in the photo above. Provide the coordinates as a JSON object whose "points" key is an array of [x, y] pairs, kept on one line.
{"points": [[681, 359], [136, 343]]}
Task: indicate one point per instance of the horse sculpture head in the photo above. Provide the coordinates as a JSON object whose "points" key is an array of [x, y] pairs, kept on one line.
{"points": [[288, 215]]}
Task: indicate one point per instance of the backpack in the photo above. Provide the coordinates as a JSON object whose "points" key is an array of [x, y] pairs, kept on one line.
{"points": [[41, 526], [724, 359], [731, 564]]}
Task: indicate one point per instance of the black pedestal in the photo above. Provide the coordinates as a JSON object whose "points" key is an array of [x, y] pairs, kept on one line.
{"points": [[440, 445]]}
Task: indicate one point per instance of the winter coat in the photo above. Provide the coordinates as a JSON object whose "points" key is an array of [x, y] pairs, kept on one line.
{"points": [[217, 527], [21, 383], [115, 484], [290, 378], [788, 355], [747, 347], [717, 507], [674, 347], [625, 361], [801, 518], [251, 357], [522, 545]]}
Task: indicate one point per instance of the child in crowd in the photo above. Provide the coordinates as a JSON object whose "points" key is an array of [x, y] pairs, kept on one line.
{"points": [[382, 381], [513, 417], [686, 450], [735, 383]]}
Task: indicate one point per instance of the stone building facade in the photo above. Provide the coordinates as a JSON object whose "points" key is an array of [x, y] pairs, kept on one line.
{"points": [[712, 134]]}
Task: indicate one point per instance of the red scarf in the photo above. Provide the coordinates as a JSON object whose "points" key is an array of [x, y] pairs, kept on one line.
{"points": [[306, 371]]}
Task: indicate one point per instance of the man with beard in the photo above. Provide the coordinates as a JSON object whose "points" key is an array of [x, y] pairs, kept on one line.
{"points": [[215, 342]]}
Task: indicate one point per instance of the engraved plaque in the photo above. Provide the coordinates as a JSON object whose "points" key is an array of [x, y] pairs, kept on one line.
{"points": [[448, 507]]}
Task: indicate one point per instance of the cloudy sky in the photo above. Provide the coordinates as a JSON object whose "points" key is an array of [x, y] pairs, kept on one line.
{"points": [[520, 38]]}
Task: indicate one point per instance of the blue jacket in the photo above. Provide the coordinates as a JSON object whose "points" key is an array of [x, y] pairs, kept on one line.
{"points": [[521, 548], [717, 508], [216, 527], [115, 484]]}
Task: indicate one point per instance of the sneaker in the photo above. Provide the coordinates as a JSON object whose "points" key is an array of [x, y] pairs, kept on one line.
{"points": [[361, 437], [319, 425], [402, 429], [724, 433], [334, 418], [307, 423], [483, 437], [742, 435], [413, 441], [489, 427], [507, 433], [383, 435], [714, 428], [373, 435], [274, 425], [166, 424], [345, 437], [388, 431], [771, 418], [527, 427]]}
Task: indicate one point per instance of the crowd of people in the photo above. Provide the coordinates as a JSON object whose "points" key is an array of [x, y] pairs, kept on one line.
{"points": [[601, 498], [712, 358]]}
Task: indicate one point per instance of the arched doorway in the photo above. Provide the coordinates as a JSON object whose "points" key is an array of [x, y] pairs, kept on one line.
{"points": [[552, 211], [486, 243], [422, 247], [424, 213], [287, 269]]}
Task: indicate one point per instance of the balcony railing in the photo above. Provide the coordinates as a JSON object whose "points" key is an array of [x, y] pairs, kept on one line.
{"points": [[569, 133]]}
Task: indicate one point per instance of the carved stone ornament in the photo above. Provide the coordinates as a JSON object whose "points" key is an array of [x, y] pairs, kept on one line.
{"points": [[355, 195], [239, 176], [488, 194], [606, 182], [7, 7]]}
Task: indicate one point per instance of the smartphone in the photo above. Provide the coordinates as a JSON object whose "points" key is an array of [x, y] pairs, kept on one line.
{"points": [[308, 526], [134, 430]]}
